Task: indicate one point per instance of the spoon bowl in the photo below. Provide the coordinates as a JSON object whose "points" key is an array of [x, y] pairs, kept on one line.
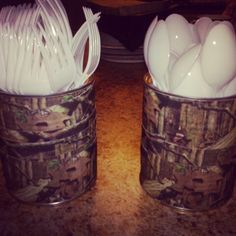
{"points": [[183, 65], [194, 85], [217, 69], [201, 26], [179, 33]]}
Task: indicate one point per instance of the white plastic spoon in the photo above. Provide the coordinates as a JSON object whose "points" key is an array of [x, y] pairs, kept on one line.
{"points": [[218, 56], [194, 34], [194, 85], [179, 33], [158, 53], [183, 66], [202, 25], [172, 60], [230, 88], [147, 38]]}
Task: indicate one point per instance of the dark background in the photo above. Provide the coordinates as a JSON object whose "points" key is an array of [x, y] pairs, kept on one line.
{"points": [[130, 30]]}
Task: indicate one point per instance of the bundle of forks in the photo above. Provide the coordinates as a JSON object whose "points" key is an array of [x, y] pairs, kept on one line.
{"points": [[38, 53]]}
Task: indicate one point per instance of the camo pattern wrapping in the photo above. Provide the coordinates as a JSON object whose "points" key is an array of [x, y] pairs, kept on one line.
{"points": [[188, 149], [49, 145]]}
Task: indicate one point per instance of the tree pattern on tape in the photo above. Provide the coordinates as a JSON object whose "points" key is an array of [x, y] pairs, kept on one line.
{"points": [[49, 153], [188, 149]]}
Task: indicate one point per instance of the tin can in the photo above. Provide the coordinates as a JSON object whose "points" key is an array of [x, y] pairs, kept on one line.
{"points": [[188, 149], [49, 145]]}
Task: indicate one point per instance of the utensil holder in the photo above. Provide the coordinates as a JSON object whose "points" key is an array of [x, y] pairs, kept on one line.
{"points": [[188, 149], [49, 145]]}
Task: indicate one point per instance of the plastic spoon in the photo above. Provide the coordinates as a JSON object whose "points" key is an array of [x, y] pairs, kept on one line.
{"points": [[202, 25], [183, 66], [194, 85], [179, 33], [147, 38], [158, 54], [230, 88], [218, 56]]}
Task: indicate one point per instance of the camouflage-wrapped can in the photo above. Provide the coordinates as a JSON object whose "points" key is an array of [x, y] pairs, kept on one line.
{"points": [[49, 145], [188, 149]]}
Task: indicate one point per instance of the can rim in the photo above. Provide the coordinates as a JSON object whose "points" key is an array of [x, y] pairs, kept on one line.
{"points": [[148, 83], [88, 82]]}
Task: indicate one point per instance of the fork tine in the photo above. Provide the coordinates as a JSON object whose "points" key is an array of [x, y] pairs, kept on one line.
{"points": [[93, 38], [60, 59], [96, 36], [59, 15], [65, 18], [98, 47], [90, 40], [96, 43]]}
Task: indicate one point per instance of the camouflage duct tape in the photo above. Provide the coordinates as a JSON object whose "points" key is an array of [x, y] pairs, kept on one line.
{"points": [[188, 149], [49, 154]]}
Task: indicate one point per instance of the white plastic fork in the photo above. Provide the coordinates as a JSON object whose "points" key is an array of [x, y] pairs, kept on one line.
{"points": [[2, 60], [33, 79], [94, 45], [25, 15], [79, 42], [5, 51], [58, 59], [4, 13], [54, 13], [61, 14]]}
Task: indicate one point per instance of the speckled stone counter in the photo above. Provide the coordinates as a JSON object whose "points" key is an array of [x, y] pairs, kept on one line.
{"points": [[116, 205]]}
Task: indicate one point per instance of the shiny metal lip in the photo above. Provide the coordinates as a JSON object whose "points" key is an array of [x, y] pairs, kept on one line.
{"points": [[58, 203], [186, 210]]}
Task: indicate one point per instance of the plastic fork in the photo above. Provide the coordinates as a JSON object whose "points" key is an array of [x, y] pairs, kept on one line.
{"points": [[54, 13], [33, 79], [94, 45], [79, 41], [5, 11], [58, 59]]}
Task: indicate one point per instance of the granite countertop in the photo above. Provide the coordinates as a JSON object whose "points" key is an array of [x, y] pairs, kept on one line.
{"points": [[116, 205]]}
